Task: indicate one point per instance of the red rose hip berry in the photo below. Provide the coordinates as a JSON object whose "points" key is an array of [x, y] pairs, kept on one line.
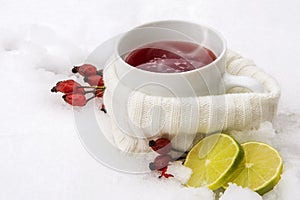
{"points": [[68, 86], [85, 70], [75, 99], [94, 80], [160, 162], [161, 145]]}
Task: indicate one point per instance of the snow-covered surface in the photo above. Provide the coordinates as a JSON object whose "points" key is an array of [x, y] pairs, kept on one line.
{"points": [[235, 192], [180, 172], [40, 152]]}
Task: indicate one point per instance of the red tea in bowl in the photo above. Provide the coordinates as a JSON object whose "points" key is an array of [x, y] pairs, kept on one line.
{"points": [[170, 56]]}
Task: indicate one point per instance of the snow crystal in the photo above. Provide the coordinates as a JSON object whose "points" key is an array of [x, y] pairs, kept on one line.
{"points": [[193, 194], [234, 192], [288, 186], [180, 172]]}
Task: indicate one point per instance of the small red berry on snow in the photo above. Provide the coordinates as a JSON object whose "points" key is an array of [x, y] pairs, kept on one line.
{"points": [[85, 70], [160, 162], [161, 145], [75, 99], [68, 86], [94, 80]]}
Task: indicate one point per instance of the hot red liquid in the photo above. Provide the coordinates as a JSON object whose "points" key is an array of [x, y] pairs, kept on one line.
{"points": [[170, 57]]}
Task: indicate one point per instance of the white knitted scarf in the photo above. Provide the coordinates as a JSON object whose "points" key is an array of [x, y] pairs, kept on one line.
{"points": [[239, 109]]}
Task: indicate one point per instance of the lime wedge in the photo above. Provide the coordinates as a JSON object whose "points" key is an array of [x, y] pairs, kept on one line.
{"points": [[260, 169], [213, 161]]}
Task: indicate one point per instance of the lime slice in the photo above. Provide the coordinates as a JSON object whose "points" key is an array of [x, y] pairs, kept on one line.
{"points": [[213, 161], [260, 169]]}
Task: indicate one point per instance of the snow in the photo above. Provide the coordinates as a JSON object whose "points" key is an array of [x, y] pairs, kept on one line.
{"points": [[180, 172], [193, 194], [235, 192], [41, 155], [287, 189]]}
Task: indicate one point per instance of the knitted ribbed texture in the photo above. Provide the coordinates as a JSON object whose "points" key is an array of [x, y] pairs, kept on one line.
{"points": [[239, 109]]}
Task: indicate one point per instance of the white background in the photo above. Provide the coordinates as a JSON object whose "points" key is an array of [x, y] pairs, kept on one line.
{"points": [[40, 154]]}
